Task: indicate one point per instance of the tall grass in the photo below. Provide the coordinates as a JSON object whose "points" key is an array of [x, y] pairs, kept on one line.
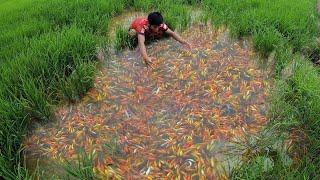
{"points": [[47, 53], [123, 39], [176, 13], [82, 169], [271, 23]]}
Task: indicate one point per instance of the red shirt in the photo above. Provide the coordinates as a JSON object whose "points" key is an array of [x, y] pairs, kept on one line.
{"points": [[141, 26]]}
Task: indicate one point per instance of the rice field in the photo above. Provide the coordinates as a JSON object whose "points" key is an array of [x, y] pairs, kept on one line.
{"points": [[50, 51]]}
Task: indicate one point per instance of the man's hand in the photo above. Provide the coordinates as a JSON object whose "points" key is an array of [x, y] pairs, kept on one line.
{"points": [[179, 39], [187, 45], [143, 51], [149, 62]]}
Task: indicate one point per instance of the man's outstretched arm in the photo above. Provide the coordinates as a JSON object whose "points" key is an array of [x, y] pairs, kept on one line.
{"points": [[178, 38], [143, 51]]}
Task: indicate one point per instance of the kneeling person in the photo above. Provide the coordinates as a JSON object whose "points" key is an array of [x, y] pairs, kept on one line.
{"points": [[153, 27]]}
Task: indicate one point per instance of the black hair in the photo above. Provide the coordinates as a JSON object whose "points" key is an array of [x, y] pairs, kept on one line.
{"points": [[155, 18]]}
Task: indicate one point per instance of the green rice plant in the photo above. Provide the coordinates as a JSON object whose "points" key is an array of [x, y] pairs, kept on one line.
{"points": [[78, 83], [262, 167], [51, 59], [15, 39], [19, 86], [294, 21], [82, 168], [257, 168], [43, 17], [62, 47], [123, 39], [11, 171], [281, 109], [142, 5], [57, 55], [47, 52], [264, 156], [35, 101], [13, 127], [266, 41], [176, 15], [283, 57], [90, 15], [193, 2], [305, 83]]}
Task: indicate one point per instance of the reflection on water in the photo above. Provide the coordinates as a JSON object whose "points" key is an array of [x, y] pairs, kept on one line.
{"points": [[172, 121]]}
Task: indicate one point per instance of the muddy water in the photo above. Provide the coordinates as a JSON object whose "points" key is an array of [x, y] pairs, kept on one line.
{"points": [[167, 122]]}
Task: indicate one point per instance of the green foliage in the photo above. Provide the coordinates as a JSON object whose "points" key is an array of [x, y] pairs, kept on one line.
{"points": [[13, 172], [47, 54], [283, 57], [264, 156], [302, 95], [270, 22], [176, 14], [142, 5], [266, 40], [123, 39], [82, 168], [78, 83]]}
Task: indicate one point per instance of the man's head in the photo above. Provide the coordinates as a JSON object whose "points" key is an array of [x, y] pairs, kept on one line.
{"points": [[155, 20]]}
